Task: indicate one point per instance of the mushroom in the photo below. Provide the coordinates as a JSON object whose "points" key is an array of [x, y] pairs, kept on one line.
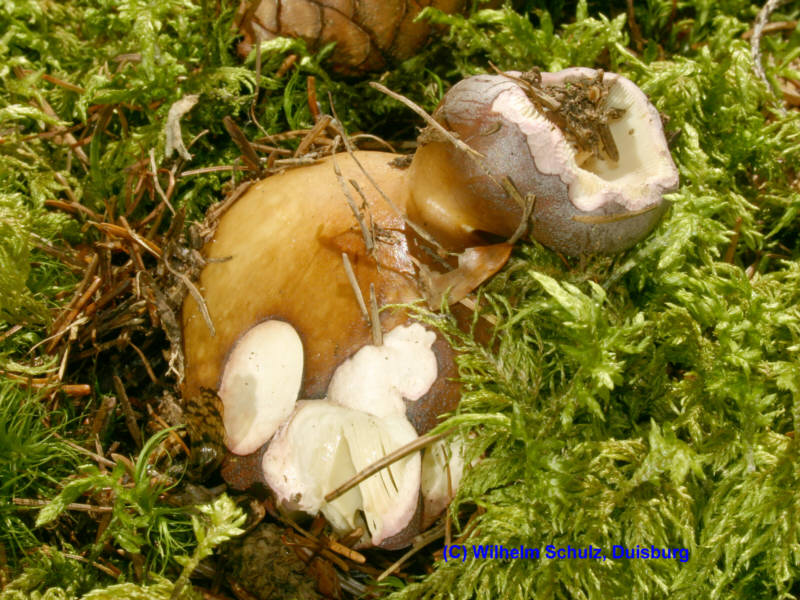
{"points": [[580, 152], [277, 255], [585, 148]]}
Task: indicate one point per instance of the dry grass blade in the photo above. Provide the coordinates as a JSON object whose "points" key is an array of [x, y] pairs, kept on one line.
{"points": [[600, 219], [76, 506], [473, 154], [196, 295], [108, 570], [417, 229], [420, 542], [375, 318], [156, 183], [433, 123], [214, 169], [322, 543], [67, 139], [527, 203], [365, 232], [240, 139], [101, 460]]}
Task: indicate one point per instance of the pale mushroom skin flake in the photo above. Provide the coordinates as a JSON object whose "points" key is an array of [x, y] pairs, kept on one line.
{"points": [[377, 378], [260, 383]]}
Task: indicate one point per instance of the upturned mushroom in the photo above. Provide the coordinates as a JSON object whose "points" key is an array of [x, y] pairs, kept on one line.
{"points": [[584, 150], [577, 158]]}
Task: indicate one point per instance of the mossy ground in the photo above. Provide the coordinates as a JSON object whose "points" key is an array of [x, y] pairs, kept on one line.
{"points": [[651, 398]]}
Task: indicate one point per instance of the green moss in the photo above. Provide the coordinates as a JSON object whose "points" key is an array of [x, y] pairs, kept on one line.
{"points": [[648, 398], [32, 463]]}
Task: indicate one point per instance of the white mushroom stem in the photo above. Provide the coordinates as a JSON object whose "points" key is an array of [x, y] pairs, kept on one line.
{"points": [[323, 445], [260, 383]]}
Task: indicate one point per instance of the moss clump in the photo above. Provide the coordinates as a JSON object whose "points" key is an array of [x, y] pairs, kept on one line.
{"points": [[649, 398]]}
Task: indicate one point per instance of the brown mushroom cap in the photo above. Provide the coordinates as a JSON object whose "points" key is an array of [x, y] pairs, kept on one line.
{"points": [[275, 261], [279, 251], [581, 206]]}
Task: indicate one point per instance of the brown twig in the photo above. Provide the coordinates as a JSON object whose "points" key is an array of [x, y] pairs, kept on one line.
{"points": [[100, 420], [311, 92], [287, 64], [72, 207], [73, 312], [130, 417], [122, 232], [240, 139], [351, 277], [305, 143], [146, 362], [730, 253], [636, 33], [79, 292]]}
